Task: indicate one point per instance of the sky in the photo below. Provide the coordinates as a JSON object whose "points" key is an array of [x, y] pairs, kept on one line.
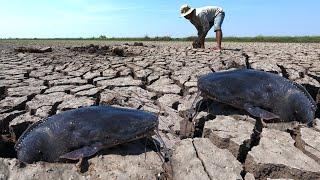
{"points": [[139, 18]]}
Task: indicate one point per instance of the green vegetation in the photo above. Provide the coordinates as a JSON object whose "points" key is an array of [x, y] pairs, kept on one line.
{"points": [[281, 39]]}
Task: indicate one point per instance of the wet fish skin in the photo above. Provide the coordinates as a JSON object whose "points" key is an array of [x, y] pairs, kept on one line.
{"points": [[84, 130], [260, 92]]}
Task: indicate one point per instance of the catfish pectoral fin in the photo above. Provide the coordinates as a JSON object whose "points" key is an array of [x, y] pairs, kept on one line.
{"points": [[85, 151], [261, 113]]}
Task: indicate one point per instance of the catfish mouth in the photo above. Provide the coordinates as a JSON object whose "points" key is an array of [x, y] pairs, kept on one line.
{"points": [[205, 91], [206, 94], [148, 132]]}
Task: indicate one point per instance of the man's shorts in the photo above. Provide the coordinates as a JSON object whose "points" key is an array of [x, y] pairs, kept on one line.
{"points": [[218, 20]]}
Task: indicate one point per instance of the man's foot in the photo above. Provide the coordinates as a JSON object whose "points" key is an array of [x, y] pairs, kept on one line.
{"points": [[217, 49]]}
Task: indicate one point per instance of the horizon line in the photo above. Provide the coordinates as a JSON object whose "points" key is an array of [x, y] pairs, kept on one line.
{"points": [[155, 37]]}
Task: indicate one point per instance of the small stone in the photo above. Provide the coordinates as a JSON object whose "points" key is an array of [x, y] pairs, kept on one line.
{"points": [[137, 44], [118, 51]]}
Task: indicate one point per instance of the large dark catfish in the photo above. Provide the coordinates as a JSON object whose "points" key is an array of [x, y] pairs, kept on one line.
{"points": [[82, 132], [262, 94]]}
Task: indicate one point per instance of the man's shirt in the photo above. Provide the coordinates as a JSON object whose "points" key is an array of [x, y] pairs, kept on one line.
{"points": [[204, 19]]}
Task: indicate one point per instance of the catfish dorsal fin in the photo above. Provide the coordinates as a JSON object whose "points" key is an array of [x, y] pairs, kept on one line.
{"points": [[27, 131]]}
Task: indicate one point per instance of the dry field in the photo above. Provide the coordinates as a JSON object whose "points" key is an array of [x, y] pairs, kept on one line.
{"points": [[160, 78]]}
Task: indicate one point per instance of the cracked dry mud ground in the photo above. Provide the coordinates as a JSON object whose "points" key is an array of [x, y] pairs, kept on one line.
{"points": [[159, 77]]}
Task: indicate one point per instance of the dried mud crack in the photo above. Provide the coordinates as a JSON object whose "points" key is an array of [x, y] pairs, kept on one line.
{"points": [[204, 166], [301, 144], [159, 78]]}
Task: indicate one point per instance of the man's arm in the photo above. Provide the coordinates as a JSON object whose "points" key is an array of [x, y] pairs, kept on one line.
{"points": [[201, 37], [205, 27]]}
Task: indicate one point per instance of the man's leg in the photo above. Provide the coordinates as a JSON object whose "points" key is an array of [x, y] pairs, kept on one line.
{"points": [[218, 39], [217, 28], [202, 43]]}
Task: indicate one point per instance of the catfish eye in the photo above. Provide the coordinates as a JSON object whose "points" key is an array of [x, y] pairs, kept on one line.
{"points": [[41, 157], [295, 115], [40, 153]]}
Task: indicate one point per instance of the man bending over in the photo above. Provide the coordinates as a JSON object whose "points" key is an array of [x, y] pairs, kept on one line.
{"points": [[203, 19]]}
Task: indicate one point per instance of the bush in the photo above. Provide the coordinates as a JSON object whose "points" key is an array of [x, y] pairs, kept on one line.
{"points": [[103, 37], [146, 37]]}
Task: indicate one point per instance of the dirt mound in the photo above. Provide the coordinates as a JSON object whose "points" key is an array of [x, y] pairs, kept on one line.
{"points": [[32, 49], [101, 50]]}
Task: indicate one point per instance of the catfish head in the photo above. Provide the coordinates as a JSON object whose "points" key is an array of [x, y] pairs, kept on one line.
{"points": [[32, 147], [302, 108]]}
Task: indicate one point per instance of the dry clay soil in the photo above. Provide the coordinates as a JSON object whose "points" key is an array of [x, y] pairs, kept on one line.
{"points": [[160, 78]]}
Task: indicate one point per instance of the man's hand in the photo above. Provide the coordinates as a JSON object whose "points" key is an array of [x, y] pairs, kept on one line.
{"points": [[196, 44]]}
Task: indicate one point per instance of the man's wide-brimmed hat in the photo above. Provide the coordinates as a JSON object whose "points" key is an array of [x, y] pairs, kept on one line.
{"points": [[185, 10]]}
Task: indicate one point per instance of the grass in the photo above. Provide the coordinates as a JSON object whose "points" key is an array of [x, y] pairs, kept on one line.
{"points": [[282, 39], [279, 39]]}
